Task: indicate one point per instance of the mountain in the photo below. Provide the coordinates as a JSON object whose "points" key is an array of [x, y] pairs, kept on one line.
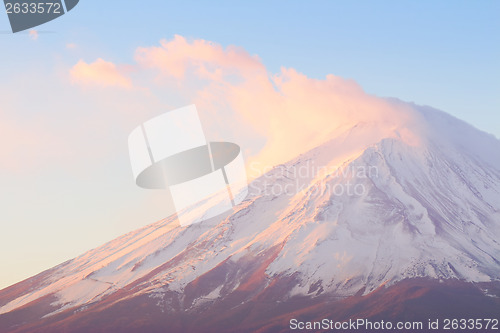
{"points": [[397, 219]]}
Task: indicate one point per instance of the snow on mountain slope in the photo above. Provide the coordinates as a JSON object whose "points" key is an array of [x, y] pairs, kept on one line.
{"points": [[379, 202]]}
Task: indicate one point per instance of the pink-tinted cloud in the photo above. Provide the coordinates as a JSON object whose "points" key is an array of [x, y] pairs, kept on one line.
{"points": [[207, 60], [100, 73], [33, 34], [288, 111]]}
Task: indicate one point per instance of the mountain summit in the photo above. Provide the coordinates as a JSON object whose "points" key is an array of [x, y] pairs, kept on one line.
{"points": [[385, 215]]}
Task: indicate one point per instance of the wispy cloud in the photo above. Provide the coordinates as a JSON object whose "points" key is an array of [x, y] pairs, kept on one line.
{"points": [[273, 116], [205, 59], [33, 34], [288, 111], [99, 73]]}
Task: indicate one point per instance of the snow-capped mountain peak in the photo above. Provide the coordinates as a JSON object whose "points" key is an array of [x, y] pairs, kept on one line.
{"points": [[377, 203]]}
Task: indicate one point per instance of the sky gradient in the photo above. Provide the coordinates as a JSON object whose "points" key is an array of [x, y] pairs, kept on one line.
{"points": [[72, 90]]}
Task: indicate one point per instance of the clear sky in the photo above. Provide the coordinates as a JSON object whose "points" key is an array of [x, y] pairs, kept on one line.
{"points": [[65, 182]]}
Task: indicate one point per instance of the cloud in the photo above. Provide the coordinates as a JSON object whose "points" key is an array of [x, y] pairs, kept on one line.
{"points": [[71, 46], [287, 113], [100, 73], [33, 34], [272, 116], [72, 128], [205, 59]]}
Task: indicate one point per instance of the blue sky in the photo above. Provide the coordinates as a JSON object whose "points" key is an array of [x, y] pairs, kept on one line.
{"points": [[440, 54]]}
